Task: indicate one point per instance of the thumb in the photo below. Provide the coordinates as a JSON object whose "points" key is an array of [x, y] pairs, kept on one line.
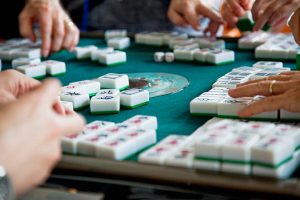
{"points": [[208, 12], [47, 92]]}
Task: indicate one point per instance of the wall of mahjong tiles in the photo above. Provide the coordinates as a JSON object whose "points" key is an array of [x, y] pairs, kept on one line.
{"points": [[171, 110]]}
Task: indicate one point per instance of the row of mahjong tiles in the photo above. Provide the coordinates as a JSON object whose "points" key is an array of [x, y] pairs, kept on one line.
{"points": [[217, 102], [230, 146], [107, 100], [20, 48]]}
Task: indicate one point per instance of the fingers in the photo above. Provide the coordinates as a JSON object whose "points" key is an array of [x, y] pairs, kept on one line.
{"points": [[262, 88], [228, 16], [176, 18], [264, 105], [71, 123], [191, 16], [47, 92], [71, 35], [75, 40], [277, 78], [294, 24], [46, 28], [236, 7], [6, 97], [59, 108], [208, 12], [264, 15], [25, 23], [212, 29], [58, 33]]}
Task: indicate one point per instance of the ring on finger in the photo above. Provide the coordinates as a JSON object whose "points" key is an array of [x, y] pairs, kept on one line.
{"points": [[271, 86]]}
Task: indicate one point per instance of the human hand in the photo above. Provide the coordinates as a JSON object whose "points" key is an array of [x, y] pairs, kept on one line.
{"points": [[294, 24], [273, 12], [14, 84], [232, 10], [284, 94], [57, 29], [30, 132], [188, 12]]}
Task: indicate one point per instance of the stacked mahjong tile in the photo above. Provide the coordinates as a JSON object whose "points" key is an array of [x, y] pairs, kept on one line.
{"points": [[250, 148], [19, 48], [203, 50], [33, 67], [273, 46], [117, 39], [106, 55], [217, 102], [231, 146], [197, 55], [108, 140], [108, 94]]}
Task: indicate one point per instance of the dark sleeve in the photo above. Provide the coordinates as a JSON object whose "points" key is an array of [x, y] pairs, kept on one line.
{"points": [[9, 12]]}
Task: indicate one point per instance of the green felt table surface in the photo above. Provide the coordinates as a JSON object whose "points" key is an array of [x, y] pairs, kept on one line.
{"points": [[171, 110]]}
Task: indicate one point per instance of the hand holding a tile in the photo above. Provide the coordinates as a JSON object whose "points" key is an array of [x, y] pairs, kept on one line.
{"points": [[36, 139], [189, 12], [56, 28]]}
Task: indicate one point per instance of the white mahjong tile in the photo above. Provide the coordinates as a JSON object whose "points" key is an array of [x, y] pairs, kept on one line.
{"points": [[222, 56], [211, 43], [119, 42], [183, 157], [268, 64], [115, 33], [142, 138], [246, 69], [95, 53], [98, 126], [78, 99], [259, 128], [140, 38], [25, 61], [33, 70], [174, 35], [114, 81], [88, 146], [113, 58], [272, 151], [176, 141], [120, 128], [210, 143], [74, 88], [154, 39], [156, 155], [279, 52], [282, 172], [84, 52], [236, 153], [143, 122], [185, 54], [91, 86], [105, 104], [117, 148], [263, 51], [179, 41], [289, 132], [54, 67], [227, 125], [204, 106], [292, 52], [134, 98], [27, 53], [201, 54], [104, 92]]}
